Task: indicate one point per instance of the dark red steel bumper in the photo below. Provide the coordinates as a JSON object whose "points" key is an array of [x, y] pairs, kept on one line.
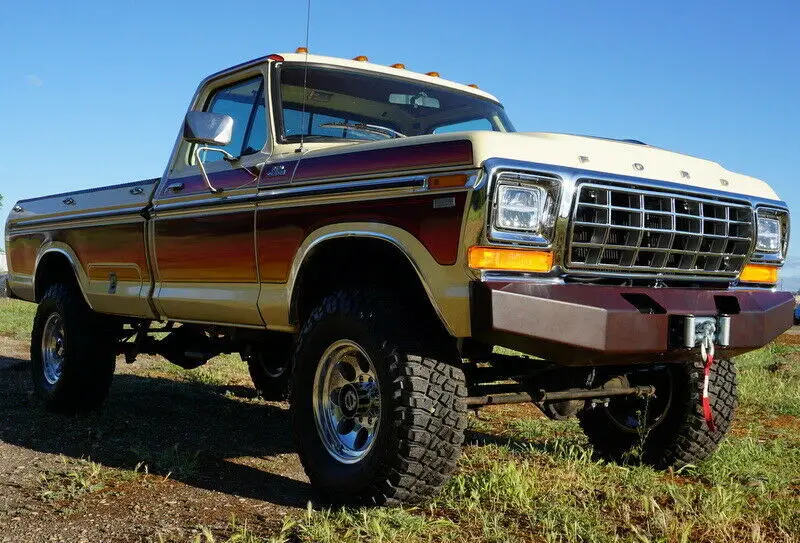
{"points": [[587, 324]]}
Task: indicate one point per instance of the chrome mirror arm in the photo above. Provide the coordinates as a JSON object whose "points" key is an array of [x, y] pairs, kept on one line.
{"points": [[229, 157]]}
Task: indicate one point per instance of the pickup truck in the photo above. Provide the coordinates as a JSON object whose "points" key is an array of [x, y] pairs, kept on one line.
{"points": [[385, 251]]}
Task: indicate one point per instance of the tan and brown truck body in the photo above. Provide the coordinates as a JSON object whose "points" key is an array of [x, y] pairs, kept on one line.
{"points": [[366, 238]]}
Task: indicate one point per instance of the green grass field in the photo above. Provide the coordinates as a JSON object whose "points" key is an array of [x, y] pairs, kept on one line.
{"points": [[537, 480], [16, 318]]}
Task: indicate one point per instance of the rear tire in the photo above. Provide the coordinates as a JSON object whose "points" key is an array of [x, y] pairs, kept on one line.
{"points": [[376, 419], [270, 368], [73, 352], [678, 435]]}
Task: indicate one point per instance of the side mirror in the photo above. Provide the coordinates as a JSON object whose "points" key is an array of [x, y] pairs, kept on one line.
{"points": [[206, 128]]}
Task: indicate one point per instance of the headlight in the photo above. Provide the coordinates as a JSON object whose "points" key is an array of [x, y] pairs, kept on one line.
{"points": [[524, 208], [519, 208], [772, 235], [769, 235]]}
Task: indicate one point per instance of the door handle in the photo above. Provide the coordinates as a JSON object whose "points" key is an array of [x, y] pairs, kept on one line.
{"points": [[137, 190], [176, 187], [69, 201]]}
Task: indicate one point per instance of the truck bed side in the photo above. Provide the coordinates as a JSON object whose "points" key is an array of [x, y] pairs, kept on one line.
{"points": [[100, 233]]}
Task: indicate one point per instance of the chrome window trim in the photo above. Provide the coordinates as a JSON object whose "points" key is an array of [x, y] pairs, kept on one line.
{"points": [[570, 178]]}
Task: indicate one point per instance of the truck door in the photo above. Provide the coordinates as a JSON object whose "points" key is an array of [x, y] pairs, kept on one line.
{"points": [[203, 247]]}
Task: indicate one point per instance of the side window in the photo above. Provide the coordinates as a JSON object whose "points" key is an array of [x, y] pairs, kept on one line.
{"points": [[244, 102], [474, 124]]}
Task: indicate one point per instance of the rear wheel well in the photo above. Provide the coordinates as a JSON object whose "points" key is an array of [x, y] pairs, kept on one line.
{"points": [[53, 268], [359, 263]]}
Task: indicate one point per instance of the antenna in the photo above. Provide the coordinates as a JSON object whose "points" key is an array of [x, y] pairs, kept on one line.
{"points": [[305, 76]]}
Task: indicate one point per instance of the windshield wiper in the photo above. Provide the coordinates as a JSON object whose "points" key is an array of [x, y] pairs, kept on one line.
{"points": [[368, 128]]}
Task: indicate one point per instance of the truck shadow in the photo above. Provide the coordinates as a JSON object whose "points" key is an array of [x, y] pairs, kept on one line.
{"points": [[208, 436]]}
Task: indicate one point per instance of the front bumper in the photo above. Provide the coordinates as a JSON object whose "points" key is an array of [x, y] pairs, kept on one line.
{"points": [[578, 325]]}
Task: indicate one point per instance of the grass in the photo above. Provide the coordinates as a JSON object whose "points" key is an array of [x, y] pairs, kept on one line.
{"points": [[173, 461], [75, 478], [226, 369], [770, 380], [236, 533], [16, 318], [543, 485], [539, 481]]}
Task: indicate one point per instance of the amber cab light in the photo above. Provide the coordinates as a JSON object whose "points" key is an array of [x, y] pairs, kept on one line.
{"points": [[759, 273], [301, 50], [473, 85], [433, 74], [399, 66], [522, 260], [361, 58]]}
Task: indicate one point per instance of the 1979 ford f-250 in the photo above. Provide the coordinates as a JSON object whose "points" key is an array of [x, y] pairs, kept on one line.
{"points": [[368, 237]]}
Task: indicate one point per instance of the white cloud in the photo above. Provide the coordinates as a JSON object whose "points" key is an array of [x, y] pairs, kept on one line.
{"points": [[33, 80]]}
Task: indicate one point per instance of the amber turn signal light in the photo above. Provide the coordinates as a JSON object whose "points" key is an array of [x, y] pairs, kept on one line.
{"points": [[443, 181], [759, 273], [522, 260]]}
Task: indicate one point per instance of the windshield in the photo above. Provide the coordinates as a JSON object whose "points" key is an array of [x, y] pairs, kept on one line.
{"points": [[357, 105]]}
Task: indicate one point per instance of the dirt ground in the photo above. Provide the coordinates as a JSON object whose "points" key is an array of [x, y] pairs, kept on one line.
{"points": [[212, 454], [163, 457]]}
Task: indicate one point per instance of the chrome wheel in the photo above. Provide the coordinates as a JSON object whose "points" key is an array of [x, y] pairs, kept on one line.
{"points": [[347, 401], [53, 348]]}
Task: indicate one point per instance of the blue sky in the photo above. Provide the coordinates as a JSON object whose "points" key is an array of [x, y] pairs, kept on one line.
{"points": [[93, 93]]}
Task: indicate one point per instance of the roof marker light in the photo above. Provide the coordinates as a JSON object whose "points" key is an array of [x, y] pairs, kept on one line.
{"points": [[361, 58], [433, 74], [276, 58], [399, 66], [301, 50], [473, 85]]}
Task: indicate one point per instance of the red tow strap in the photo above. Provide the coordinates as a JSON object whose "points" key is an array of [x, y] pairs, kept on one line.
{"points": [[709, 416]]}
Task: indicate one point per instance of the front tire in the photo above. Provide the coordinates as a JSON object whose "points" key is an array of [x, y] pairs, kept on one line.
{"points": [[73, 352], [376, 420], [675, 432]]}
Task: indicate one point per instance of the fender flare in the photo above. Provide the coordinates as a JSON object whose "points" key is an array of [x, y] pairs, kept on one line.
{"points": [[56, 247], [390, 235]]}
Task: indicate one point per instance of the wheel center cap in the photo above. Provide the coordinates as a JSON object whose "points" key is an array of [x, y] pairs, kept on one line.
{"points": [[349, 401]]}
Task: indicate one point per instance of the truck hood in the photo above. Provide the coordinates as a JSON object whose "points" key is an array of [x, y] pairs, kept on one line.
{"points": [[615, 157]]}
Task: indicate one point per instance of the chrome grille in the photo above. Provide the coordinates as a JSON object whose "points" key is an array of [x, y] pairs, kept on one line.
{"points": [[627, 229]]}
